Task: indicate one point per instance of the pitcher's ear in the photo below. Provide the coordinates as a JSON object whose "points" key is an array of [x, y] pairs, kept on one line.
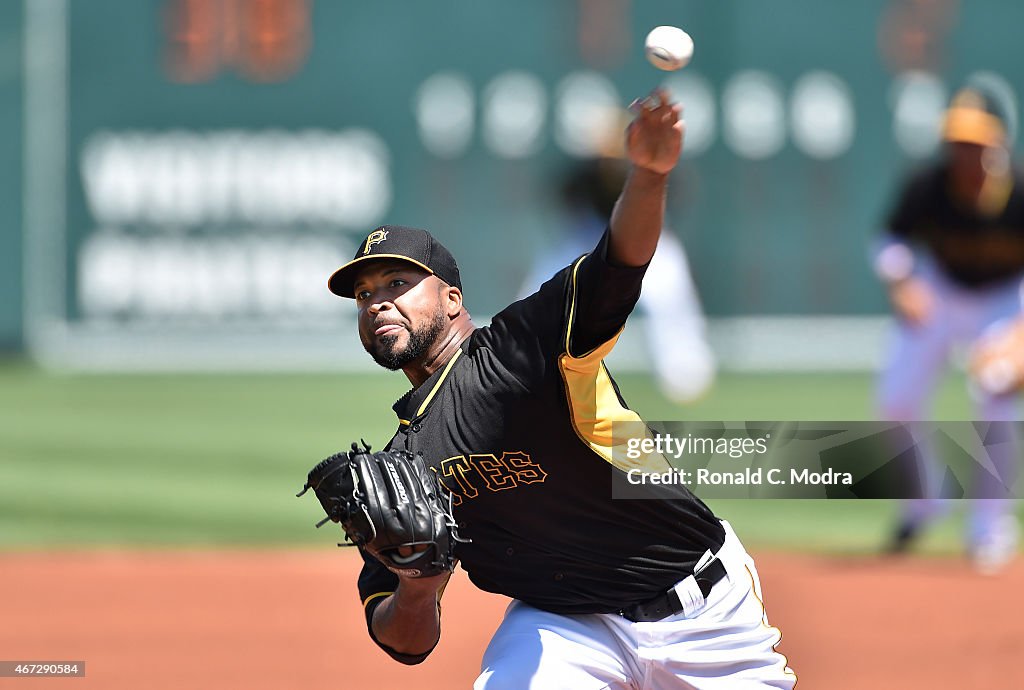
{"points": [[453, 301]]}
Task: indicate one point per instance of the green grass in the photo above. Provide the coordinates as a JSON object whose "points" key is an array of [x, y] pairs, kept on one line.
{"points": [[215, 460]]}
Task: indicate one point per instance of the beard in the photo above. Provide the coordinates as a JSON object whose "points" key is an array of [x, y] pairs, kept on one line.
{"points": [[389, 355]]}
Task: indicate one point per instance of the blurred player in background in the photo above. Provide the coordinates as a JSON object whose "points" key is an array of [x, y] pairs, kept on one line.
{"points": [[684, 366], [953, 261]]}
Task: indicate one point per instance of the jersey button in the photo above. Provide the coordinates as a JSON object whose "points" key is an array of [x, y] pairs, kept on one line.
{"points": [[415, 427], [558, 577], [509, 551]]}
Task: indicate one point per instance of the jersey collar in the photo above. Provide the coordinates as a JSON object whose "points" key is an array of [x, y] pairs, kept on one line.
{"points": [[415, 402]]}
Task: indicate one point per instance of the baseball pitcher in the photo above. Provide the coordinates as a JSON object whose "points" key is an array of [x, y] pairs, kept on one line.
{"points": [[513, 423]]}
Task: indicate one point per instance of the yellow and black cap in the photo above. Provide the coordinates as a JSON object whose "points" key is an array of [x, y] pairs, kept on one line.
{"points": [[974, 117], [415, 245]]}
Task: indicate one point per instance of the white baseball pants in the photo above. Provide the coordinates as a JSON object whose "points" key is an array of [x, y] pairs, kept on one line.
{"points": [[919, 355], [725, 644]]}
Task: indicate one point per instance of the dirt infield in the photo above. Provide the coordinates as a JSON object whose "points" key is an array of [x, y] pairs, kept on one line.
{"points": [[291, 619]]}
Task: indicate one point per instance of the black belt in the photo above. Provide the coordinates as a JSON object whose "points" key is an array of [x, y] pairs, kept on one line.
{"points": [[667, 603]]}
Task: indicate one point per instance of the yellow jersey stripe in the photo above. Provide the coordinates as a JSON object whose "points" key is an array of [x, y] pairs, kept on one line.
{"points": [[437, 386], [378, 595], [594, 405], [572, 305]]}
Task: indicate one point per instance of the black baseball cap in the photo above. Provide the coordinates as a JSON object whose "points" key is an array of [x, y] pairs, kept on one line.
{"points": [[415, 245]]}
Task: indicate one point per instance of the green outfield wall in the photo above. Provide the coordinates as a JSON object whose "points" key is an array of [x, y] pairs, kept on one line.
{"points": [[193, 171]]}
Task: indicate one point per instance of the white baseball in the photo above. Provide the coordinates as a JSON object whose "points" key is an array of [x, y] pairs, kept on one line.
{"points": [[668, 48]]}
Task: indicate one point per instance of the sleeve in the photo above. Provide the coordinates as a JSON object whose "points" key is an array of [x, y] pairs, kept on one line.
{"points": [[377, 583], [582, 307], [604, 294], [892, 253]]}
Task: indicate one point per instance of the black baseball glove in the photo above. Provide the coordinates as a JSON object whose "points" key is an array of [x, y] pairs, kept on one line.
{"points": [[390, 504]]}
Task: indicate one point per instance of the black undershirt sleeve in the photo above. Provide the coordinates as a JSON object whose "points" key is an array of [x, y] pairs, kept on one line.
{"points": [[376, 579]]}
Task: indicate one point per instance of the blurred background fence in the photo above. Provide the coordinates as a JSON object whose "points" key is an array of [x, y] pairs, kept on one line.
{"points": [[180, 176]]}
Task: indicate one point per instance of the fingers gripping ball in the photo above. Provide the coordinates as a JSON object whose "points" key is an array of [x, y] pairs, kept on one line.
{"points": [[668, 48], [390, 504]]}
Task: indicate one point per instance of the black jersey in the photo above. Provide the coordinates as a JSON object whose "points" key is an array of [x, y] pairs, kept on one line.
{"points": [[517, 425], [973, 249]]}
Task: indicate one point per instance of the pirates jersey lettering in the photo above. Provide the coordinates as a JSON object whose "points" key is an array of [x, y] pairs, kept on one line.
{"points": [[462, 475]]}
